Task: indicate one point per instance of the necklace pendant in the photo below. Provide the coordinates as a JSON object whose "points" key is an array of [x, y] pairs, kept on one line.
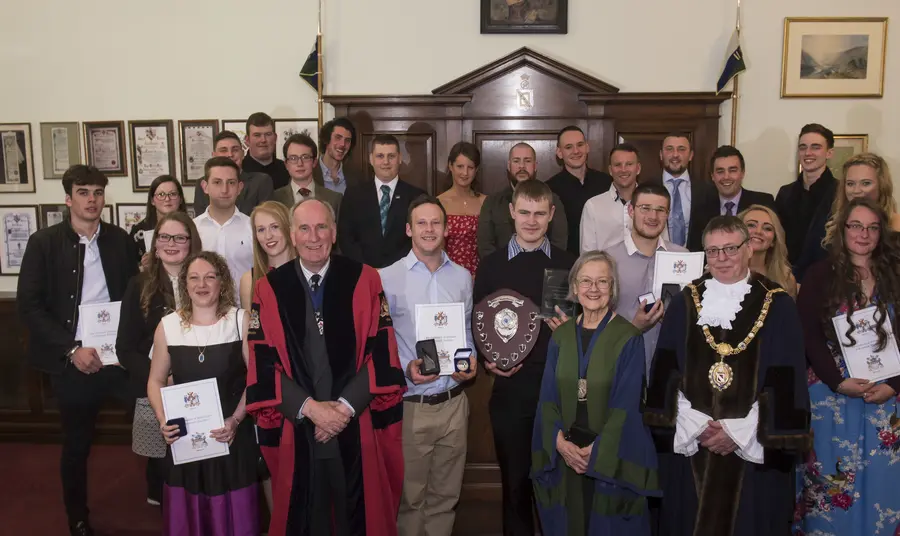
{"points": [[582, 390], [720, 376], [201, 358]]}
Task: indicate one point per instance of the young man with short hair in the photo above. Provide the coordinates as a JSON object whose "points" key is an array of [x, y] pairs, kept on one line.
{"points": [[81, 261], [300, 159], [257, 186], [261, 141]]}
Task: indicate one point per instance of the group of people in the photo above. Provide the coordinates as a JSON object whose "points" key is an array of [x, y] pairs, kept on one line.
{"points": [[727, 410]]}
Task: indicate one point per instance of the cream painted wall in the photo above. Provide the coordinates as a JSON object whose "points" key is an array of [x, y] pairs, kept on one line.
{"points": [[176, 59]]}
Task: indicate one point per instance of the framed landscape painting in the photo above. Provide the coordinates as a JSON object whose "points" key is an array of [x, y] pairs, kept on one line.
{"points": [[524, 16], [833, 57]]}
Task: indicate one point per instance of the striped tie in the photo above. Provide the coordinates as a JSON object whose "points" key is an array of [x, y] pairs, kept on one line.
{"points": [[384, 205]]}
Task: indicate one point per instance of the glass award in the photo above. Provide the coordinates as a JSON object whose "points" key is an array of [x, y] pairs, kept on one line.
{"points": [[555, 291]]}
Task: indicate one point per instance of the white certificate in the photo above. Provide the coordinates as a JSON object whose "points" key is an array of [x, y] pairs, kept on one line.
{"points": [[676, 267], [148, 240], [99, 328], [198, 145], [446, 324], [151, 145], [198, 403], [105, 149], [863, 360], [59, 149]]}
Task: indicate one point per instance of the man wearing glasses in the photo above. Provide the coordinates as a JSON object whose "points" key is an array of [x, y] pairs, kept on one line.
{"points": [[257, 186], [727, 398], [300, 159], [606, 219], [635, 258]]}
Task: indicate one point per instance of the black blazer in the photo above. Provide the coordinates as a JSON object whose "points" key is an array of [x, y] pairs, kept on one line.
{"points": [[710, 208], [359, 226], [135, 337]]}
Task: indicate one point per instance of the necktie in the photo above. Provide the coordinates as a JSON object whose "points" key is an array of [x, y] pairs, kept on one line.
{"points": [[384, 205], [317, 301], [314, 282], [304, 193], [729, 208], [676, 220]]}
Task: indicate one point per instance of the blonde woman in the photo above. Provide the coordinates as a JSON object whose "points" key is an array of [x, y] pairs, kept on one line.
{"points": [[770, 257], [271, 248], [865, 175]]}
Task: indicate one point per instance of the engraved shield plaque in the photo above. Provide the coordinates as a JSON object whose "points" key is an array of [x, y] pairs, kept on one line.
{"points": [[505, 326]]}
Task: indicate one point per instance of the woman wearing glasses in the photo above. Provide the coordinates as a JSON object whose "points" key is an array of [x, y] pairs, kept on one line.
{"points": [[151, 295], [769, 248], [848, 484], [165, 196], [589, 413]]}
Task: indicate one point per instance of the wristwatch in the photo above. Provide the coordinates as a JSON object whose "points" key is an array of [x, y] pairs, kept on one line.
{"points": [[71, 352]]}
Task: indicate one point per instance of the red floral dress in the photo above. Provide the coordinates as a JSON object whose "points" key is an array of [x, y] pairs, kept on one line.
{"points": [[462, 238]]}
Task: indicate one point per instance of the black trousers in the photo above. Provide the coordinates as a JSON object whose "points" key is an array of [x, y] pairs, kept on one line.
{"points": [[512, 422], [156, 473], [80, 397], [329, 511]]}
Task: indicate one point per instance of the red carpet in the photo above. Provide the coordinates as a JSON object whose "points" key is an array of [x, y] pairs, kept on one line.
{"points": [[31, 493]]}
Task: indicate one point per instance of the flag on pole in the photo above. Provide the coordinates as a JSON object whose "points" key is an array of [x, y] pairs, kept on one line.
{"points": [[734, 61], [310, 70]]}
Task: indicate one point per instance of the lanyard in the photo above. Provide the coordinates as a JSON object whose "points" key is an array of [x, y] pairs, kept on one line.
{"points": [[584, 357]]}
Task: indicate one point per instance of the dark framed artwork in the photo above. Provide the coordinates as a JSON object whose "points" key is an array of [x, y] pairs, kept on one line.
{"points": [[197, 144], [524, 16], [104, 143], [152, 151], [16, 158], [17, 224]]}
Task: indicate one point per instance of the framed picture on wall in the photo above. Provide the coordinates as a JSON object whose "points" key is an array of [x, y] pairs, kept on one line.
{"points": [[834, 57], [152, 152], [128, 214], [239, 127], [197, 144], [524, 16], [51, 214], [60, 148], [285, 128], [16, 159], [190, 209], [104, 145], [845, 146], [17, 223]]}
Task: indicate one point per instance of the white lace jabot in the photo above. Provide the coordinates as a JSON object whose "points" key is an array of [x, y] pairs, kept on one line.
{"points": [[721, 302]]}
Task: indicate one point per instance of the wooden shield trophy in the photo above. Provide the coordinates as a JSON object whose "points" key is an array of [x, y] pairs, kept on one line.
{"points": [[505, 327]]}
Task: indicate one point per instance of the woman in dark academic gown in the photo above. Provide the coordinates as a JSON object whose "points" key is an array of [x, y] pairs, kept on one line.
{"points": [[594, 459]]}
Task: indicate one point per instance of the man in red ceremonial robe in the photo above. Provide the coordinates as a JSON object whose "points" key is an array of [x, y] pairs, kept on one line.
{"points": [[325, 387]]}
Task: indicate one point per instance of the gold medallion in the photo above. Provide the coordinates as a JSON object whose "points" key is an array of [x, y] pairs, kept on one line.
{"points": [[723, 349], [582, 390], [720, 376]]}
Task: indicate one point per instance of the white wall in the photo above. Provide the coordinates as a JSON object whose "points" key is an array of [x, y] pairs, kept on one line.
{"points": [[175, 59]]}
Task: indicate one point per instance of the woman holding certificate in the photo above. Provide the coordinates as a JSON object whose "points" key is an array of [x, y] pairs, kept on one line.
{"points": [[589, 413], [848, 483], [164, 197], [151, 295], [211, 480]]}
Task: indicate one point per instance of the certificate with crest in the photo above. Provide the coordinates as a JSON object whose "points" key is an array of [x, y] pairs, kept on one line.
{"points": [[99, 329], [863, 359], [446, 324], [679, 267], [198, 403]]}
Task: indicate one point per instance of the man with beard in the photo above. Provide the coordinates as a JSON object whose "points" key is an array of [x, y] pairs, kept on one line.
{"points": [[257, 187], [687, 195], [728, 398], [520, 266], [635, 258], [727, 172], [261, 141], [605, 220], [576, 183], [325, 387], [495, 226], [435, 408], [336, 140], [804, 205]]}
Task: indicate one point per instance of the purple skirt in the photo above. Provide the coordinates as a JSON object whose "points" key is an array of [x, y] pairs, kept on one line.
{"points": [[234, 513]]}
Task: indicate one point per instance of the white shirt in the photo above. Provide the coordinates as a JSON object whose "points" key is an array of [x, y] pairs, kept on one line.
{"points": [[296, 190], [93, 283], [233, 241], [308, 274], [605, 222], [392, 185], [685, 190]]}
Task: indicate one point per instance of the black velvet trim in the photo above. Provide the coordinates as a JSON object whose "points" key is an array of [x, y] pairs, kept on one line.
{"points": [[255, 333], [301, 498], [385, 374], [264, 388], [351, 457], [661, 407], [268, 437], [340, 286], [782, 425], [291, 296], [383, 419]]}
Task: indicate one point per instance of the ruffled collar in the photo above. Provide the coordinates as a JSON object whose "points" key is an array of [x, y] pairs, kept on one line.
{"points": [[721, 302]]}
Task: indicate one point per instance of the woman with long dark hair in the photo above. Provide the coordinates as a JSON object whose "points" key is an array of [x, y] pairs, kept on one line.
{"points": [[462, 202], [848, 485], [165, 196], [151, 295]]}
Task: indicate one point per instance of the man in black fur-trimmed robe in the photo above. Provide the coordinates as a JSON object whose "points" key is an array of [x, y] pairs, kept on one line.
{"points": [[727, 398]]}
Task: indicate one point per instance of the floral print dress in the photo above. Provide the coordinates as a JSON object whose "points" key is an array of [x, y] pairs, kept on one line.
{"points": [[462, 241], [849, 483]]}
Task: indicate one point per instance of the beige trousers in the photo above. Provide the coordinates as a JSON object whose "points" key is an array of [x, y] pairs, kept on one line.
{"points": [[434, 452]]}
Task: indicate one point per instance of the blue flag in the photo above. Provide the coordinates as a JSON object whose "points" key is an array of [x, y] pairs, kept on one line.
{"points": [[310, 70], [734, 62]]}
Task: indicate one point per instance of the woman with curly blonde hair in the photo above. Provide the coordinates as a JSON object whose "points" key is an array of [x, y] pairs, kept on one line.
{"points": [[206, 338], [770, 257], [865, 175], [272, 245]]}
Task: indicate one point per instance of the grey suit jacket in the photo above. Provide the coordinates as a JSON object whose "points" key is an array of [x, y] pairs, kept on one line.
{"points": [[285, 196], [257, 188]]}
